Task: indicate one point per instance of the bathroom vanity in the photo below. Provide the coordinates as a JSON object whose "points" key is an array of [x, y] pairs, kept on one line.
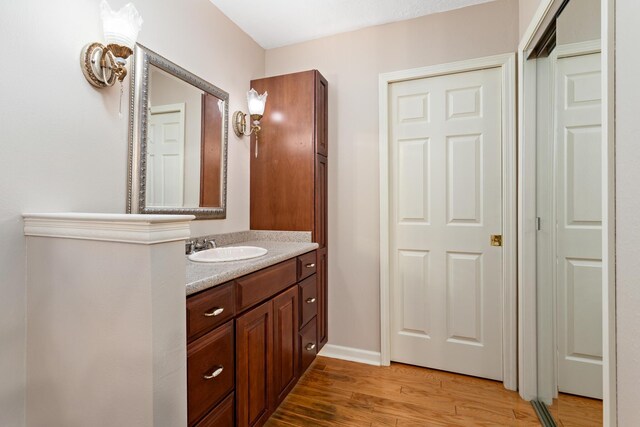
{"points": [[251, 331], [252, 326]]}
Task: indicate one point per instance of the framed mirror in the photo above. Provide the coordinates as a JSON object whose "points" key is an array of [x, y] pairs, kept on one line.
{"points": [[178, 134]]}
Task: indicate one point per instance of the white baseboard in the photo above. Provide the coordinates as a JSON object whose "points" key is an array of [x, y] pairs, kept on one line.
{"points": [[351, 354]]}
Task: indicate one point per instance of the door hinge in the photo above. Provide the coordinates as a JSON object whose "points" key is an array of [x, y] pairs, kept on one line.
{"points": [[496, 240], [538, 223]]}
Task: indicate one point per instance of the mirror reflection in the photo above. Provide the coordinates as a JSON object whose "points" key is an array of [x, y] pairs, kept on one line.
{"points": [[184, 146], [178, 140], [569, 207]]}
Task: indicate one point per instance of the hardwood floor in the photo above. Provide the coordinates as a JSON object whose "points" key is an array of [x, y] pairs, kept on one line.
{"points": [[338, 393], [575, 411]]}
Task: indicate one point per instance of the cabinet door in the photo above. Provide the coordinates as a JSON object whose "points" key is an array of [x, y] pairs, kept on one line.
{"points": [[285, 342], [323, 295], [322, 108], [254, 365], [282, 173], [321, 201]]}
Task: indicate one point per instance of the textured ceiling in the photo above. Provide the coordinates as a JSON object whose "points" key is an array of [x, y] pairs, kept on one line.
{"points": [[275, 23]]}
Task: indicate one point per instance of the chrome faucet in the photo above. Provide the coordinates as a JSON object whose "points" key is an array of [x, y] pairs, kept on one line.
{"points": [[197, 245]]}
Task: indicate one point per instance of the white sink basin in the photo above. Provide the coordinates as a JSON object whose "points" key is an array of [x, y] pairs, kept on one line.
{"points": [[233, 253]]}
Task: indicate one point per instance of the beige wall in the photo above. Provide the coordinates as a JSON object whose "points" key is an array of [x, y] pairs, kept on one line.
{"points": [[627, 208], [352, 62], [526, 10], [64, 148], [579, 22]]}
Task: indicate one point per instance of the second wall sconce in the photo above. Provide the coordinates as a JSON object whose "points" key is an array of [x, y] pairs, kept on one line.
{"points": [[256, 105], [103, 64]]}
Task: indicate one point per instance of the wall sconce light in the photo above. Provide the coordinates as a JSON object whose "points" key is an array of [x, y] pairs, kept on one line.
{"points": [[103, 64], [256, 104]]}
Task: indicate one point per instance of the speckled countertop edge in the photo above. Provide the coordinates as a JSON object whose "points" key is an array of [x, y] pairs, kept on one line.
{"points": [[280, 246]]}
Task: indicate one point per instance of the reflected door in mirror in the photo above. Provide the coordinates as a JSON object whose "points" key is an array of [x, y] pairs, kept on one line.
{"points": [[165, 151]]}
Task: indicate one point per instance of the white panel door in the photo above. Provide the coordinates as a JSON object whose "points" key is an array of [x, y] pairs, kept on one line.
{"points": [[579, 225], [446, 202], [165, 156]]}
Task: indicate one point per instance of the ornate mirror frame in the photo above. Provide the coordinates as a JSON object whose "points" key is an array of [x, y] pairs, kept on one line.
{"points": [[138, 125]]}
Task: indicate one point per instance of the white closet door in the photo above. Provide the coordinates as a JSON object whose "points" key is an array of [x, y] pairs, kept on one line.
{"points": [[579, 225], [446, 202]]}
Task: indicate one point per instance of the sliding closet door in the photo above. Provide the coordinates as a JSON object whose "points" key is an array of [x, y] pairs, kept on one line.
{"points": [[579, 225]]}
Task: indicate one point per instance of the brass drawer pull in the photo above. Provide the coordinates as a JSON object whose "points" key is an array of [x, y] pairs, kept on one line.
{"points": [[215, 373], [310, 300], [310, 265], [310, 346], [215, 312]]}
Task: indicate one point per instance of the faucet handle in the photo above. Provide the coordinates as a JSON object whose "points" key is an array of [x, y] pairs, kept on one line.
{"points": [[209, 243], [189, 247]]}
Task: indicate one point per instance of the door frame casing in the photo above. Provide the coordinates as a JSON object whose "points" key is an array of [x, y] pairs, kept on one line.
{"points": [[507, 64], [527, 89]]}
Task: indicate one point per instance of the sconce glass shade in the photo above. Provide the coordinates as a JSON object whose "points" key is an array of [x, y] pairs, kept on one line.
{"points": [[256, 102], [121, 27]]}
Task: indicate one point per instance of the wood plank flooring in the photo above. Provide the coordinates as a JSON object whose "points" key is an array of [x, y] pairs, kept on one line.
{"points": [[339, 393], [575, 411]]}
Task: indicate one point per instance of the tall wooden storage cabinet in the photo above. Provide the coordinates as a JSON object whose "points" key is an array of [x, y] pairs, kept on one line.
{"points": [[289, 175]]}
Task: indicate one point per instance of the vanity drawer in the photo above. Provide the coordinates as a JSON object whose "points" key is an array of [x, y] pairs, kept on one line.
{"points": [[209, 309], [258, 286], [308, 300], [210, 370], [306, 265], [308, 345], [221, 416]]}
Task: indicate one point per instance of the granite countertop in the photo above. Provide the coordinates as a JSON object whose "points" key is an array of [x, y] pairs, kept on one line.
{"points": [[280, 246]]}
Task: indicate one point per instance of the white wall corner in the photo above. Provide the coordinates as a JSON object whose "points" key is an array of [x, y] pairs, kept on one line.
{"points": [[351, 354]]}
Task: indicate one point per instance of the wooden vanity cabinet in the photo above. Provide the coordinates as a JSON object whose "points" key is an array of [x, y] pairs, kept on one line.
{"points": [[289, 177], [258, 350]]}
